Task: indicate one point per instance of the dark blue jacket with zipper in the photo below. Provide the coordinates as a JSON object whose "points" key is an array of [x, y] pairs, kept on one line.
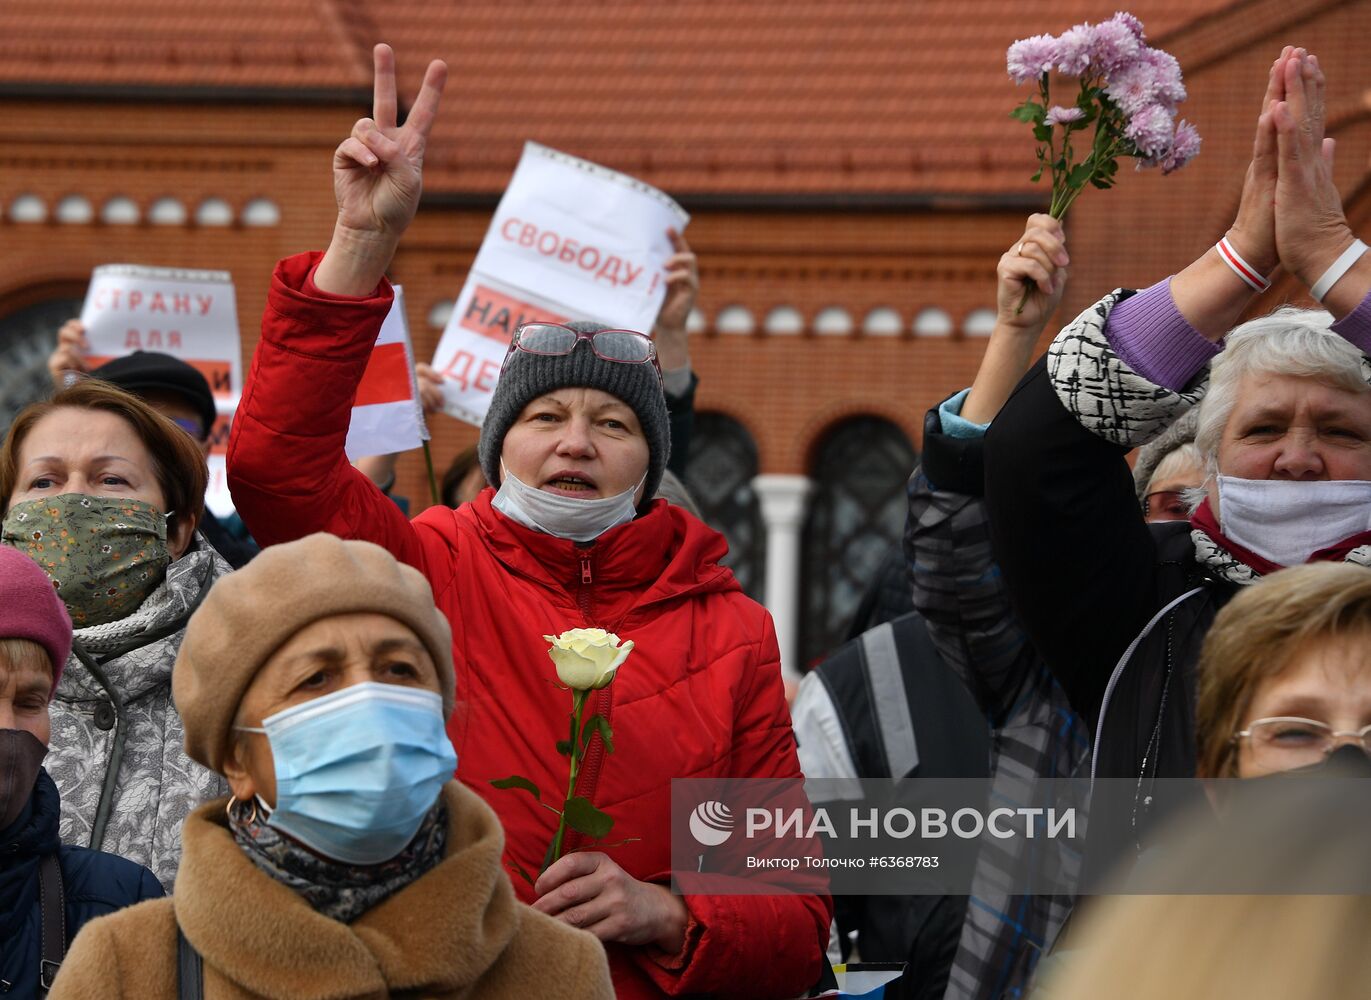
{"points": [[94, 884]]}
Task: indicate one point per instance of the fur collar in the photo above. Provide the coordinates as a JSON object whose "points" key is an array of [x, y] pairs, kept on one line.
{"points": [[436, 936]]}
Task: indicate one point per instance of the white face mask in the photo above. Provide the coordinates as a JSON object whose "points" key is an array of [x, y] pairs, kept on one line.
{"points": [[1287, 522], [563, 516]]}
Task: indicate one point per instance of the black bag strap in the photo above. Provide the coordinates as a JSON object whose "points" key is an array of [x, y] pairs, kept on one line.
{"points": [[53, 926], [190, 972]]}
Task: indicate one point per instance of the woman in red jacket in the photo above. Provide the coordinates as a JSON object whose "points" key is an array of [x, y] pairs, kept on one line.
{"points": [[576, 439]]}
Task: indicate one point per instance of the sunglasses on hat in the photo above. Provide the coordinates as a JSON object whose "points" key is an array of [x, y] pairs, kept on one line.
{"points": [[626, 347]]}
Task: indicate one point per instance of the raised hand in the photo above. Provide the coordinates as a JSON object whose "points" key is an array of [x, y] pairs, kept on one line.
{"points": [[69, 357], [1311, 229], [1038, 260], [377, 180], [682, 289], [430, 388], [1253, 233]]}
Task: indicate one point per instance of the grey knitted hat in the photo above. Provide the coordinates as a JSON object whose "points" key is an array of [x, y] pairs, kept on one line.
{"points": [[528, 376], [1150, 455]]}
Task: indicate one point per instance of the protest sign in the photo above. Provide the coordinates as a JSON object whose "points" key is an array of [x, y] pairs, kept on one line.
{"points": [[190, 315], [570, 240], [387, 415]]}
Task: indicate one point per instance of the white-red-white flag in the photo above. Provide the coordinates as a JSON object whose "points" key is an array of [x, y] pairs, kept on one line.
{"points": [[388, 415]]}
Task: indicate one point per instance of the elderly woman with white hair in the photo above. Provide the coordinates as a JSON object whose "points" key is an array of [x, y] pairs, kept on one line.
{"points": [[1120, 609]]}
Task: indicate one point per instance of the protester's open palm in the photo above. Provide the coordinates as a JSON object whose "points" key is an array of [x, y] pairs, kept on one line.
{"points": [[378, 170], [1311, 230]]}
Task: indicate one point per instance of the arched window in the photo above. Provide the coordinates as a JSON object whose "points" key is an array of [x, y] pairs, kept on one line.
{"points": [[261, 212], [833, 321], [440, 314], [735, 319], [979, 323], [883, 321], [28, 208], [214, 212], [120, 210], [856, 516], [932, 322], [75, 209], [27, 337], [719, 471], [167, 212], [783, 321]]}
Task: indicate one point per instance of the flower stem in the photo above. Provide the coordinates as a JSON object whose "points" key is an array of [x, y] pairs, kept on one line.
{"points": [[578, 700]]}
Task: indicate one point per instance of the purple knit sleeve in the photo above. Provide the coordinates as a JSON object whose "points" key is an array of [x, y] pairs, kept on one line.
{"points": [[1355, 327], [1151, 336]]}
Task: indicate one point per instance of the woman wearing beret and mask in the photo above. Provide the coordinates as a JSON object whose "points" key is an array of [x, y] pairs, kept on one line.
{"points": [[576, 439], [347, 863], [104, 494]]}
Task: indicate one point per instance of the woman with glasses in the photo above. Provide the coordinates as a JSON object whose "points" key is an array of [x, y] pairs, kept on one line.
{"points": [[1285, 675], [576, 441]]}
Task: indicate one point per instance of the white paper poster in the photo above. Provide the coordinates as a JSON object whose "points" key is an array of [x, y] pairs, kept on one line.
{"points": [[387, 415], [191, 315], [569, 240]]}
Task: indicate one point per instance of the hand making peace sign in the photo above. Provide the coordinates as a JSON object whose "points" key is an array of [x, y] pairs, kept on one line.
{"points": [[377, 180]]}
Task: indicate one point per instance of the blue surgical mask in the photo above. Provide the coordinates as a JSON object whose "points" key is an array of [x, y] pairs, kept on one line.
{"points": [[359, 769], [563, 516]]}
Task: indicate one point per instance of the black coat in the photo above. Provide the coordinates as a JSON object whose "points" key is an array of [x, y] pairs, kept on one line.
{"points": [[1087, 577], [94, 884]]}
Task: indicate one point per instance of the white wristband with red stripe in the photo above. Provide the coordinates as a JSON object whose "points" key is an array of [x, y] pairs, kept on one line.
{"points": [[1250, 275]]}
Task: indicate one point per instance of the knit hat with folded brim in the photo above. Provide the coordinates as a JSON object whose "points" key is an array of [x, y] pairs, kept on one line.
{"points": [[250, 614], [30, 609], [1151, 454], [527, 376]]}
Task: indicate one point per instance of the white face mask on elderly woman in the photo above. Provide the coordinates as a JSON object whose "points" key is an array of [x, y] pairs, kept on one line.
{"points": [[563, 516], [1287, 521]]}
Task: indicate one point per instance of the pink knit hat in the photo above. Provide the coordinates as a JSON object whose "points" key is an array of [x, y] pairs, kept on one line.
{"points": [[30, 608]]}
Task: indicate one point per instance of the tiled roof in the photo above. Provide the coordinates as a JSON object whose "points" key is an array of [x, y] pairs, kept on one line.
{"points": [[252, 44], [696, 96]]}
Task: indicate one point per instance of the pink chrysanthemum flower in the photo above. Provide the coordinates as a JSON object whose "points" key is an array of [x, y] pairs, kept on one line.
{"points": [[1030, 58], [1134, 87], [1059, 115], [1166, 76], [1075, 50], [1184, 147], [1116, 47], [1130, 22], [1151, 131]]}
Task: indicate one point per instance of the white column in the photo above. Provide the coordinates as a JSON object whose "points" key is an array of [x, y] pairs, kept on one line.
{"points": [[783, 501]]}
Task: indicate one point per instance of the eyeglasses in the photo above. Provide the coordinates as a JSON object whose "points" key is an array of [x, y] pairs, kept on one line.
{"points": [[1286, 742], [626, 347], [1166, 505]]}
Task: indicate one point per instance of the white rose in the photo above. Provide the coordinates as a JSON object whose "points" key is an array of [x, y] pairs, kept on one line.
{"points": [[587, 658]]}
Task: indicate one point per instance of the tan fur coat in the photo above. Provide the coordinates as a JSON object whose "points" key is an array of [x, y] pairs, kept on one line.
{"points": [[455, 933]]}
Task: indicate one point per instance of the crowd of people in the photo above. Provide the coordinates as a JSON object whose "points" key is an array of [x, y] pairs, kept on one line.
{"points": [[267, 755]]}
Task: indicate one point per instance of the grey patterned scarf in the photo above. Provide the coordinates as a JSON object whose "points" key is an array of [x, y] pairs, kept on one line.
{"points": [[338, 890]]}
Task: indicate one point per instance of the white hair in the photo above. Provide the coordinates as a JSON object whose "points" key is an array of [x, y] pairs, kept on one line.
{"points": [[1289, 341]]}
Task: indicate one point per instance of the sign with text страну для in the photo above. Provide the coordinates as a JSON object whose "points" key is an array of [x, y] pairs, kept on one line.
{"points": [[190, 315]]}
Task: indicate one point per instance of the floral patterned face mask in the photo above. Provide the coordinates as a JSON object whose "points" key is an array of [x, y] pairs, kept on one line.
{"points": [[104, 555]]}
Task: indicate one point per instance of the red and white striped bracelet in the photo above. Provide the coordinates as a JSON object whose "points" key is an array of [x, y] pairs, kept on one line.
{"points": [[1241, 268]]}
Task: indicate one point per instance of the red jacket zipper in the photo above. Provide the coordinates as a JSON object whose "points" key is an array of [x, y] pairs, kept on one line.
{"points": [[603, 705]]}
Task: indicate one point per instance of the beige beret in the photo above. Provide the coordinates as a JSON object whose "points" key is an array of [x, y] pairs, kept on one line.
{"points": [[250, 614]]}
